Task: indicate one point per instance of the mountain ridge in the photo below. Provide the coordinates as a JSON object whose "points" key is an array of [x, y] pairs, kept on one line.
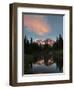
{"points": [[43, 42]]}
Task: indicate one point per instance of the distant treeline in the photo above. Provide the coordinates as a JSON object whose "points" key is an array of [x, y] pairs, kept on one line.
{"points": [[33, 48]]}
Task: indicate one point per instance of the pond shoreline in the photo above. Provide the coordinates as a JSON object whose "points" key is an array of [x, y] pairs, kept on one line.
{"points": [[36, 68]]}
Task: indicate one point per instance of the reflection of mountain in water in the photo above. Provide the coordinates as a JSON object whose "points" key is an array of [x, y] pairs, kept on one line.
{"points": [[42, 62], [40, 67]]}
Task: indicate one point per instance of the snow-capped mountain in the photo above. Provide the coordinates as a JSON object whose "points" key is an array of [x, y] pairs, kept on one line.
{"points": [[43, 42]]}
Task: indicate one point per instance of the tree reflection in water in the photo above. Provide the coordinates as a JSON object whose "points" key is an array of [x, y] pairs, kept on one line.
{"points": [[51, 63], [44, 63]]}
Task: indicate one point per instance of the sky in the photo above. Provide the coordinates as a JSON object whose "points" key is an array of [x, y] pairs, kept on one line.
{"points": [[42, 26]]}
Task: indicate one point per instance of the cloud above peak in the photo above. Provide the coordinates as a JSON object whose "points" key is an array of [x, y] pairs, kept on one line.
{"points": [[37, 24]]}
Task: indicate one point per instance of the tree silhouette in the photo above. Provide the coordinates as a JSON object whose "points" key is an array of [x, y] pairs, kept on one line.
{"points": [[59, 43], [31, 41]]}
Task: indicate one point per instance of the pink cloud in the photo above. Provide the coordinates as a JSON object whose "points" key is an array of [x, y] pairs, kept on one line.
{"points": [[36, 24]]}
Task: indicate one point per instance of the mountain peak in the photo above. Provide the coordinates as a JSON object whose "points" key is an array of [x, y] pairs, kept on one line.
{"points": [[46, 41]]}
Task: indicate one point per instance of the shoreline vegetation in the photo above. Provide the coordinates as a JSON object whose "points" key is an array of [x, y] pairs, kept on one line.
{"points": [[47, 55]]}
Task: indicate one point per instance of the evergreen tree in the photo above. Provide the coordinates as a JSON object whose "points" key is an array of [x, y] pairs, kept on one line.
{"points": [[31, 41], [60, 41]]}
